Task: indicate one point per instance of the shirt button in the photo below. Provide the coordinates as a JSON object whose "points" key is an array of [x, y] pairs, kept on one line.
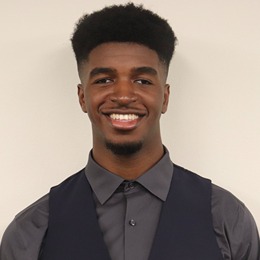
{"points": [[132, 222], [129, 186]]}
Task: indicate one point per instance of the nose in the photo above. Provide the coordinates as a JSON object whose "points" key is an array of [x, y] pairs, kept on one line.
{"points": [[123, 93]]}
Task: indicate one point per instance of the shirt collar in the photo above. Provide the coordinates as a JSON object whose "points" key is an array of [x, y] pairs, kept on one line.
{"points": [[156, 180], [102, 182]]}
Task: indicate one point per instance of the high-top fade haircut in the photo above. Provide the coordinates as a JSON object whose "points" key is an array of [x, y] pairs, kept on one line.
{"points": [[123, 23]]}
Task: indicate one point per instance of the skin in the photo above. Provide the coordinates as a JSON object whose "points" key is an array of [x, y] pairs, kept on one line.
{"points": [[124, 78]]}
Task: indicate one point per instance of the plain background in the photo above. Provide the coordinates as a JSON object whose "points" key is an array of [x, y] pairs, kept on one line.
{"points": [[212, 126]]}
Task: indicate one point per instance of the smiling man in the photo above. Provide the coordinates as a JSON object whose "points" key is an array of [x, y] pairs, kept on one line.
{"points": [[124, 92], [130, 201]]}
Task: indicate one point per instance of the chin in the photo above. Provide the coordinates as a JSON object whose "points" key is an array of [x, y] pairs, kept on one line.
{"points": [[127, 148]]}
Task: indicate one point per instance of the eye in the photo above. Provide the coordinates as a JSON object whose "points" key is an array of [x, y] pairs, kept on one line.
{"points": [[143, 82], [103, 81]]}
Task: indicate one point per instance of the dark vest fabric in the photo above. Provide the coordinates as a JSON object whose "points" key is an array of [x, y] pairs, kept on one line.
{"points": [[185, 229]]}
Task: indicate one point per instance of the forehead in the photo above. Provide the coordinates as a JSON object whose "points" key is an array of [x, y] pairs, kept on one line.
{"points": [[122, 54]]}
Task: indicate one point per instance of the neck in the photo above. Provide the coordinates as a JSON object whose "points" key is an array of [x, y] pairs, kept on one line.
{"points": [[129, 167]]}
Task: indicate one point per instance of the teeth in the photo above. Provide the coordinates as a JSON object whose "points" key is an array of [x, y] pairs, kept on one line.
{"points": [[123, 117]]}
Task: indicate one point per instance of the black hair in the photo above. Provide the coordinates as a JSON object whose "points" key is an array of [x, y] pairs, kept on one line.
{"points": [[123, 23]]}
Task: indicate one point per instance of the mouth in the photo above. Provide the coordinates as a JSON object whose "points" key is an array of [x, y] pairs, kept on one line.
{"points": [[124, 121], [124, 117]]}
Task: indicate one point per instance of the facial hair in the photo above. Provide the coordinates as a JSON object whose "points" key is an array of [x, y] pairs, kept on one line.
{"points": [[124, 148]]}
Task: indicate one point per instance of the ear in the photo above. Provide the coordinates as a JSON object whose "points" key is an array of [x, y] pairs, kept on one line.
{"points": [[166, 98], [81, 96]]}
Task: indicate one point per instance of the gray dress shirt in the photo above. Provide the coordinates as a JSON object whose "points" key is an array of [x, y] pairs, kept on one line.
{"points": [[128, 217]]}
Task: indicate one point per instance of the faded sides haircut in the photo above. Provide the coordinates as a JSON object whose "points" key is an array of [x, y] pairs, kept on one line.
{"points": [[123, 23]]}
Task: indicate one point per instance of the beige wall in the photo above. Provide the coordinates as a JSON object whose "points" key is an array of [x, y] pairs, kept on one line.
{"points": [[213, 123]]}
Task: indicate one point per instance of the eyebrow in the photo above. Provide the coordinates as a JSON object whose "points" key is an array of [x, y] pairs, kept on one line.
{"points": [[97, 71], [144, 70], [137, 70]]}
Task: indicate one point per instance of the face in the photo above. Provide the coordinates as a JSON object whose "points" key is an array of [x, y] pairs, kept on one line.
{"points": [[123, 91]]}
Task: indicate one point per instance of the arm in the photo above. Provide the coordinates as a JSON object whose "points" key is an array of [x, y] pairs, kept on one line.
{"points": [[23, 237], [235, 228]]}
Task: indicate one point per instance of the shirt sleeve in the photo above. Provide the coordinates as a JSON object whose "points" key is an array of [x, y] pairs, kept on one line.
{"points": [[23, 237], [235, 228]]}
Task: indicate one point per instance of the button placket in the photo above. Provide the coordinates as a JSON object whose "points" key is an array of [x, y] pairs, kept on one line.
{"points": [[130, 226]]}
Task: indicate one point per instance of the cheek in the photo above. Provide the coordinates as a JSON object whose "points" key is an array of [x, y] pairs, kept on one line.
{"points": [[93, 103], [155, 102]]}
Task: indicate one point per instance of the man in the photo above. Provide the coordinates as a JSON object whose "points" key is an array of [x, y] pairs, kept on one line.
{"points": [[130, 201]]}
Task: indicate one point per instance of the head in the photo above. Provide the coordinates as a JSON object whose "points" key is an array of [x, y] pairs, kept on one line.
{"points": [[123, 54]]}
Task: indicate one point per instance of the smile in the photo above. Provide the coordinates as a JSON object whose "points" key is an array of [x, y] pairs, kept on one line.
{"points": [[124, 117], [124, 121]]}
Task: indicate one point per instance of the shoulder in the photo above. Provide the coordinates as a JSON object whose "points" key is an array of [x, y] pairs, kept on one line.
{"points": [[22, 238], [234, 226], [229, 210]]}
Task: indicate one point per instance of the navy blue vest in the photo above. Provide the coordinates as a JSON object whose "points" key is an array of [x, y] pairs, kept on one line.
{"points": [[185, 230]]}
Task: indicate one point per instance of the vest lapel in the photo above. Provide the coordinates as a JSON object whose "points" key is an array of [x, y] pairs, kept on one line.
{"points": [[73, 231], [185, 230]]}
